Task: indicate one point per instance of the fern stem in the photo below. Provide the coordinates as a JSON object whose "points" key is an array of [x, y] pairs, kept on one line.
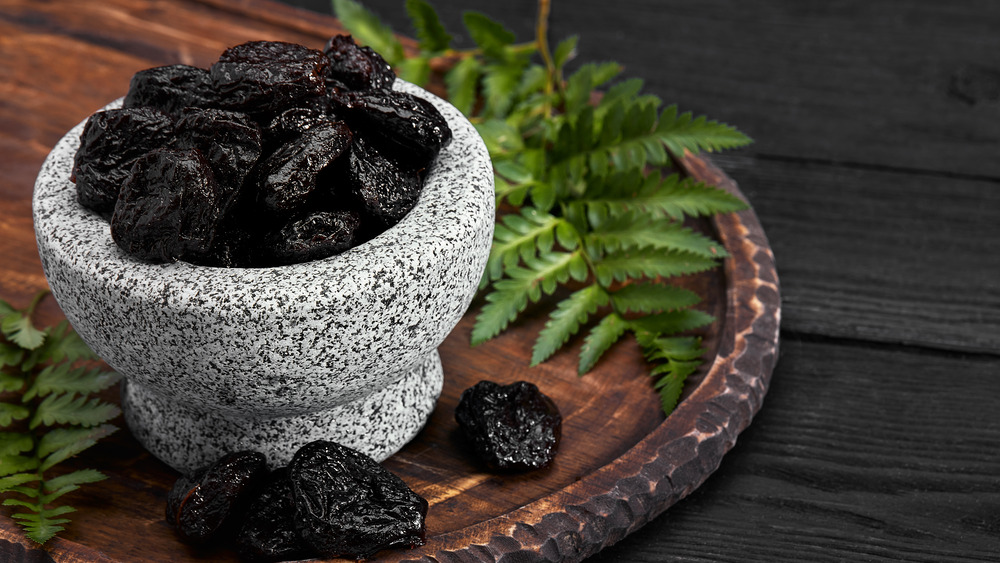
{"points": [[542, 40], [36, 300]]}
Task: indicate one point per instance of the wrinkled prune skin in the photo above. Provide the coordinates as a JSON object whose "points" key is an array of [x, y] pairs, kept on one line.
{"points": [[268, 533], [170, 207], [384, 191], [290, 174], [171, 88], [356, 67], [317, 235], [406, 128], [200, 506], [293, 122], [264, 77], [110, 144], [349, 506], [511, 428], [230, 140]]}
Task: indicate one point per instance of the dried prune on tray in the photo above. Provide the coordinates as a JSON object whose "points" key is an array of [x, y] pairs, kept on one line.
{"points": [[111, 142], [317, 235], [199, 506], [290, 175], [264, 77], [230, 140], [268, 533], [383, 190], [357, 67], [169, 207], [407, 128], [171, 88], [349, 506], [511, 427]]}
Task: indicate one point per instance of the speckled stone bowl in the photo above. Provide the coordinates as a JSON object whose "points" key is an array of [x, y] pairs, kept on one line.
{"points": [[219, 359]]}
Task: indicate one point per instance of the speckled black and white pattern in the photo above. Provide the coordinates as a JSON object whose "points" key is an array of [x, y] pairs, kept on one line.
{"points": [[260, 343]]}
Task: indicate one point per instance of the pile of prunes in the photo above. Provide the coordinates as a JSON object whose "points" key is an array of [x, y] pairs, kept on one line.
{"points": [[276, 154], [330, 501]]}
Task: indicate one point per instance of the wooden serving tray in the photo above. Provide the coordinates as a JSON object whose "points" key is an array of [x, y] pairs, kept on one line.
{"points": [[621, 462]]}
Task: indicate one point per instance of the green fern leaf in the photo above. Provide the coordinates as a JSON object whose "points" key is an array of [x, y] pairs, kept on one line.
{"points": [[636, 230], [11, 482], [10, 382], [499, 80], [462, 83], [491, 36], [520, 237], [649, 263], [11, 464], [62, 443], [11, 412], [653, 297], [13, 443], [17, 327], [369, 30], [67, 408], [68, 483], [601, 337], [431, 34], [42, 525], [540, 275], [63, 378], [671, 322], [566, 319], [10, 354], [682, 131]]}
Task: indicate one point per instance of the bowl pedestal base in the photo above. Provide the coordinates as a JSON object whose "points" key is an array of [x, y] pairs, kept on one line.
{"points": [[188, 438]]}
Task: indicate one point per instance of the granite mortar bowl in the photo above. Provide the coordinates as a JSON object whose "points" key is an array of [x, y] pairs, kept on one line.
{"points": [[223, 359]]}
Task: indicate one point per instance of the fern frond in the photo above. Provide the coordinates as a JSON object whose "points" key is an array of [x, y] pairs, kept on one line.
{"points": [[13, 443], [566, 319], [601, 337], [62, 443], [520, 237], [68, 408], [17, 327], [511, 295], [648, 263], [652, 297], [632, 229], [63, 378], [673, 196], [11, 464], [11, 482], [679, 131], [42, 525], [11, 412], [671, 322]]}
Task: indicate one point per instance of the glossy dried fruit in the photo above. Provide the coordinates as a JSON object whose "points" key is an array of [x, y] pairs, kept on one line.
{"points": [[110, 144], [171, 88], [230, 140], [356, 67], [317, 235], [198, 507], [406, 128], [383, 190], [265, 77], [170, 207], [290, 176], [349, 506], [269, 533], [511, 428]]}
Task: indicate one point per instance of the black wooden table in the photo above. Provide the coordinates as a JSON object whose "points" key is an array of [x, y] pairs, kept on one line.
{"points": [[876, 175]]}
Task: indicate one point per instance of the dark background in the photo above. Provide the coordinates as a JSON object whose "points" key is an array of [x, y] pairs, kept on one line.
{"points": [[876, 175]]}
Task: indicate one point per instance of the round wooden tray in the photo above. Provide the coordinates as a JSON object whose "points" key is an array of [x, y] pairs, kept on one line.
{"points": [[620, 464]]}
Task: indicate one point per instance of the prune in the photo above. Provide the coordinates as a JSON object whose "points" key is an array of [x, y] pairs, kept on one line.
{"points": [[383, 190], [198, 507], [407, 128], [268, 533], [292, 122], [290, 174], [110, 144], [348, 505], [356, 67], [511, 428], [169, 207], [317, 235], [230, 140], [264, 77], [171, 89]]}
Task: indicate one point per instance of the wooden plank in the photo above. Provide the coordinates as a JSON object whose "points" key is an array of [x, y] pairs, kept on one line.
{"points": [[913, 85], [881, 255], [850, 460]]}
